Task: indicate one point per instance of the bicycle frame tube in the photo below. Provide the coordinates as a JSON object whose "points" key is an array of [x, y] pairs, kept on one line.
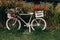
{"points": [[27, 24], [30, 19], [24, 20]]}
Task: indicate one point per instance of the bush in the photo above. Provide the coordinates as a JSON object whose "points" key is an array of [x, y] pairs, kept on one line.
{"points": [[53, 14]]}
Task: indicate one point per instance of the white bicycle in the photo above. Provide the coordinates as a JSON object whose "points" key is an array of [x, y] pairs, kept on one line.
{"points": [[13, 21]]}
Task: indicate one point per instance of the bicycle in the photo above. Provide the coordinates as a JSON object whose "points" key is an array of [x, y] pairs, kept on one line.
{"points": [[14, 21]]}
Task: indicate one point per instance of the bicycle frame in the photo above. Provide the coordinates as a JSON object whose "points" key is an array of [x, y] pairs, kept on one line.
{"points": [[26, 24], [29, 23]]}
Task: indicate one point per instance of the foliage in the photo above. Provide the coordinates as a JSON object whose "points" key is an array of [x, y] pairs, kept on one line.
{"points": [[53, 14]]}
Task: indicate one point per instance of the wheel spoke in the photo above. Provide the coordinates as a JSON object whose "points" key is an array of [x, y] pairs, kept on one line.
{"points": [[40, 23], [13, 24]]}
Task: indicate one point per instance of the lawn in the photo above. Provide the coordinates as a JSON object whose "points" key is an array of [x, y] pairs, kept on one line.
{"points": [[25, 35]]}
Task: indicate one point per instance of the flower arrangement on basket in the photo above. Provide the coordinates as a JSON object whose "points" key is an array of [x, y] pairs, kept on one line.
{"points": [[41, 8]]}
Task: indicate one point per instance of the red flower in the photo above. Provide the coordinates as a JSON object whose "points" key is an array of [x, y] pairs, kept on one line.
{"points": [[40, 7], [46, 8], [36, 6]]}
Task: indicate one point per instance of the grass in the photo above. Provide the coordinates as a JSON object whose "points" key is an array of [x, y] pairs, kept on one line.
{"points": [[25, 35]]}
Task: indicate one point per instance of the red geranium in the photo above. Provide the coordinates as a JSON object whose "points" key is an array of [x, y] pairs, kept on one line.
{"points": [[40, 7], [37, 6], [46, 8]]}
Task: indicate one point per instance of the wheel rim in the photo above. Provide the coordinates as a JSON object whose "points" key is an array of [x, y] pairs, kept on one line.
{"points": [[38, 24], [11, 26]]}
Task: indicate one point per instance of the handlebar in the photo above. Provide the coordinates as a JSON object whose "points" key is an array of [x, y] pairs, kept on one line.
{"points": [[19, 10]]}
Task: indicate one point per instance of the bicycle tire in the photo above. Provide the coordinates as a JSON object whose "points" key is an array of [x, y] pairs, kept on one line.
{"points": [[33, 25], [8, 21]]}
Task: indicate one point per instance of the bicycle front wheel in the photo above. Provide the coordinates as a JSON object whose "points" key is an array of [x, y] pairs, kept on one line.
{"points": [[12, 24], [38, 24]]}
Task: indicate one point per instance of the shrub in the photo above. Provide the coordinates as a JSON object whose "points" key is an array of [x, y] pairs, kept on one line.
{"points": [[53, 14]]}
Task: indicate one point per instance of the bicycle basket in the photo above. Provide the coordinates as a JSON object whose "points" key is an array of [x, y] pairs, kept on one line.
{"points": [[39, 14], [11, 11]]}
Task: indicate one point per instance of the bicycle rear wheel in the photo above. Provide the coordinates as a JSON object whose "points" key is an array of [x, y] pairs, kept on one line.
{"points": [[12, 24], [38, 24]]}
